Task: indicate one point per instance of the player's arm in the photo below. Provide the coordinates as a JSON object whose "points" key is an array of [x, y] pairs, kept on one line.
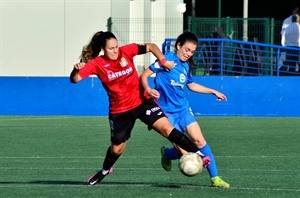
{"points": [[144, 80], [74, 76], [202, 89], [153, 48]]}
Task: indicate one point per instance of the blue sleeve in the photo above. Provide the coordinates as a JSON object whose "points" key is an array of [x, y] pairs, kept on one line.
{"points": [[189, 78]]}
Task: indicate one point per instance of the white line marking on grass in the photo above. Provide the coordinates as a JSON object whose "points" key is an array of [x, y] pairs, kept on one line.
{"points": [[266, 189], [42, 185], [48, 118], [67, 157], [34, 118], [134, 157], [142, 169], [262, 156], [76, 168], [104, 184]]}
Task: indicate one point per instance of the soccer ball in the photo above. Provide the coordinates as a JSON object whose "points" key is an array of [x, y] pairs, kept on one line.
{"points": [[190, 164]]}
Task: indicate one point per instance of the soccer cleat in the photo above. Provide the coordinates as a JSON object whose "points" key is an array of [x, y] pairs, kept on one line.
{"points": [[96, 178], [165, 163], [219, 183], [111, 170]]}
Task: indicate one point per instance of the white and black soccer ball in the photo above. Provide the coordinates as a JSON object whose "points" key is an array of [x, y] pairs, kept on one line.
{"points": [[190, 164]]}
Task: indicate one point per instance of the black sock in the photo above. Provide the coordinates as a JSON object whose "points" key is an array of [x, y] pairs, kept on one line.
{"points": [[182, 140], [109, 160]]}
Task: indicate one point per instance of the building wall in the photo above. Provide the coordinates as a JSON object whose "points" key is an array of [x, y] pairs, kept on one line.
{"points": [[45, 38]]}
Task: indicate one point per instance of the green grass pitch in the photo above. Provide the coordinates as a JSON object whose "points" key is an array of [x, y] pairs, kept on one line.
{"points": [[54, 156]]}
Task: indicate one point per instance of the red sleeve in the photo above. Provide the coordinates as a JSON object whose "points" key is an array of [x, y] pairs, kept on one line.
{"points": [[90, 68], [130, 49]]}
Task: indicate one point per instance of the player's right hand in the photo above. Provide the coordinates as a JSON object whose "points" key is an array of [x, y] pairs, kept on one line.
{"points": [[168, 65], [79, 65]]}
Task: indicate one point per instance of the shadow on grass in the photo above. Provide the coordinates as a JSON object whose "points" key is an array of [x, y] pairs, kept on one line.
{"points": [[156, 185]]}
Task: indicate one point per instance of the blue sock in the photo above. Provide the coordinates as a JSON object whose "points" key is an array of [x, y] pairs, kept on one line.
{"points": [[171, 153], [212, 167]]}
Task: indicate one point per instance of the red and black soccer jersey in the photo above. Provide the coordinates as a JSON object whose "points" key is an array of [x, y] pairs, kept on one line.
{"points": [[119, 78]]}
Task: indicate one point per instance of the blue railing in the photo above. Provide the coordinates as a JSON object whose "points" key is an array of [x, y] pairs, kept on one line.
{"points": [[239, 58]]}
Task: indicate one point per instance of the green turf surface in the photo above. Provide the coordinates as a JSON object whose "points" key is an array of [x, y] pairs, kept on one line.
{"points": [[54, 156]]}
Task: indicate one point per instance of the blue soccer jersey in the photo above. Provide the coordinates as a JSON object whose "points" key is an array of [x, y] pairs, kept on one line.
{"points": [[171, 84]]}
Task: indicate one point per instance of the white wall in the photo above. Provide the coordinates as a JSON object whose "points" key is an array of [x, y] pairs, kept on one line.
{"points": [[45, 38]]}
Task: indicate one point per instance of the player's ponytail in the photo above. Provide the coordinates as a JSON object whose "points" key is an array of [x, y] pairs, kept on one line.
{"points": [[94, 47]]}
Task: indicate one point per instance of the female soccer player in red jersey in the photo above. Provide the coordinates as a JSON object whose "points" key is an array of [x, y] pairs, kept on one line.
{"points": [[127, 99]]}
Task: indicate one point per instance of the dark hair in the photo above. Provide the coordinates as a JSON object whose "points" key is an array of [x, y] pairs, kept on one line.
{"points": [[295, 18], [187, 37], [94, 47]]}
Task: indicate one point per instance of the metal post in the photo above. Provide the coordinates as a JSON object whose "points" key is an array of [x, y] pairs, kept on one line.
{"points": [[193, 8], [219, 12], [245, 21]]}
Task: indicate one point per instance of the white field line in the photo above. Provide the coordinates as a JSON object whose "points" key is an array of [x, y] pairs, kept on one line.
{"points": [[137, 168], [134, 157], [139, 185], [4, 119], [35, 118]]}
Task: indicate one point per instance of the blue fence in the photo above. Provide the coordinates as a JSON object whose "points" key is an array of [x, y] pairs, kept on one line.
{"points": [[51, 96], [247, 96], [258, 79], [228, 57]]}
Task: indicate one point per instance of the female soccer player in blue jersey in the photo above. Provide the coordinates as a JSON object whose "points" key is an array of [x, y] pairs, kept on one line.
{"points": [[169, 92]]}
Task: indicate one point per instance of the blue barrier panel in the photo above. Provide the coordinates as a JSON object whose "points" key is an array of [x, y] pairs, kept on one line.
{"points": [[247, 96], [51, 96]]}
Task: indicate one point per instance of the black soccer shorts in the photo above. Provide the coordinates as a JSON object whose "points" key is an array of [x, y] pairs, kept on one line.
{"points": [[121, 124]]}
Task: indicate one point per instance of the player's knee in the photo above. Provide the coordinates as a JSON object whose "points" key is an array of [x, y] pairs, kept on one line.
{"points": [[199, 142], [163, 126], [117, 150]]}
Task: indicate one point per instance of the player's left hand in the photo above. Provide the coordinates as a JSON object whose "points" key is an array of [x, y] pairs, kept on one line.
{"points": [[153, 93], [220, 96]]}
